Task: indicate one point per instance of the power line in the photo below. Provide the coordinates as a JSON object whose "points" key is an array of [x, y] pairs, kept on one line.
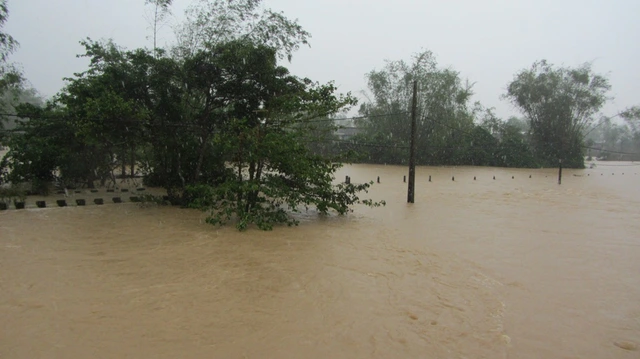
{"points": [[602, 121], [365, 144], [132, 121], [360, 144], [588, 147], [348, 118], [368, 116], [599, 164], [611, 151]]}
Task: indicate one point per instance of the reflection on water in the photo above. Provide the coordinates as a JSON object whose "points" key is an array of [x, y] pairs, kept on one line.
{"points": [[512, 267]]}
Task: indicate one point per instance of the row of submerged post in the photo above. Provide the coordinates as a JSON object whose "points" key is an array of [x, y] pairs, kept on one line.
{"points": [[63, 202], [21, 204], [66, 192], [453, 178]]}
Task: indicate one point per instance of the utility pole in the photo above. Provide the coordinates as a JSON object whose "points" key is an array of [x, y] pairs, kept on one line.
{"points": [[559, 171], [412, 151]]}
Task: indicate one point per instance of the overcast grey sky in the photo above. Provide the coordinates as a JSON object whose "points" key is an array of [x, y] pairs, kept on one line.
{"points": [[487, 41]]}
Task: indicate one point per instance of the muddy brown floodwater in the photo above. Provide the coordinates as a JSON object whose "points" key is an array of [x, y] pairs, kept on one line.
{"points": [[507, 268]]}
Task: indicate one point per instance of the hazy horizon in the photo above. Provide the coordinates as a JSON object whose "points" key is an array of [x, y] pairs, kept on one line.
{"points": [[487, 42]]}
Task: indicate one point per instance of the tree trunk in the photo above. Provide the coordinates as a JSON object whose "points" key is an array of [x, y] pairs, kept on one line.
{"points": [[133, 162], [91, 177], [259, 170], [252, 170], [239, 199], [258, 174], [251, 196], [155, 31], [205, 141], [179, 171], [123, 169]]}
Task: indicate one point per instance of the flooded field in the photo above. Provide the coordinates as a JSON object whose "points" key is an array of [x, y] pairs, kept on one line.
{"points": [[511, 267]]}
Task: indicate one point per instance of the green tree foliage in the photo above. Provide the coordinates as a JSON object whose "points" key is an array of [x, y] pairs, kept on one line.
{"points": [[447, 133], [321, 135], [218, 21], [560, 104], [514, 149], [7, 43], [224, 129], [107, 104], [442, 101], [611, 140], [631, 117], [12, 98], [38, 148], [10, 76], [266, 135], [510, 144], [160, 10]]}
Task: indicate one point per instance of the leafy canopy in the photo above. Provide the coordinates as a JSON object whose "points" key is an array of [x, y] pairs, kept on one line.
{"points": [[560, 103]]}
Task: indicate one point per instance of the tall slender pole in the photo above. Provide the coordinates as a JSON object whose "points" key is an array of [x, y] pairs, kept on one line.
{"points": [[412, 151], [560, 172]]}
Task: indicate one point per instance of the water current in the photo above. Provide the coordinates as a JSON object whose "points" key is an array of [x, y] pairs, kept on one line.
{"points": [[511, 267]]}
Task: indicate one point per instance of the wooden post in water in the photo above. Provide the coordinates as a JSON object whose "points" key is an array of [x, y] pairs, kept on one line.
{"points": [[412, 152], [559, 171]]}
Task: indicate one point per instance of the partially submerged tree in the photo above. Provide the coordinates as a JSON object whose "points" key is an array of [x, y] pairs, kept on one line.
{"points": [[225, 130], [559, 103], [38, 147], [274, 171]]}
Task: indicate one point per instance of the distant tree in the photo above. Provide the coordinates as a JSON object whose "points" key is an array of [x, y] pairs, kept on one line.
{"points": [[481, 150], [160, 9], [518, 124], [489, 121], [444, 111], [617, 141], [509, 145], [211, 22], [7, 43], [632, 118], [38, 147], [14, 96], [10, 75], [514, 149], [321, 133], [559, 103]]}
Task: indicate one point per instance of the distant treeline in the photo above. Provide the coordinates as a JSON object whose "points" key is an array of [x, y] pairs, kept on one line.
{"points": [[505, 145], [560, 122]]}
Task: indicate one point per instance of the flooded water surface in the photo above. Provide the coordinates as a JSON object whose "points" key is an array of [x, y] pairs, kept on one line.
{"points": [[511, 267]]}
